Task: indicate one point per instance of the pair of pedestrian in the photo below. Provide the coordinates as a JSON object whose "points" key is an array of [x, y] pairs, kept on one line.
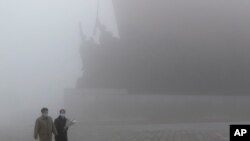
{"points": [[45, 127]]}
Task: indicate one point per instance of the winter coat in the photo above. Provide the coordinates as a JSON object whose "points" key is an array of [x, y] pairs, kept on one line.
{"points": [[62, 131], [44, 127]]}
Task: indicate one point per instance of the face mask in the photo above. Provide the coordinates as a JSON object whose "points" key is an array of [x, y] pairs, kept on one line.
{"points": [[45, 115], [62, 115]]}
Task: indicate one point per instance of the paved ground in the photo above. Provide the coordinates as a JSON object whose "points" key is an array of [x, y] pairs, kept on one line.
{"points": [[150, 132], [190, 132]]}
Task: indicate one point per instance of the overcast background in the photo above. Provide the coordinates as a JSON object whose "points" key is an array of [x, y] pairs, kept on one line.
{"points": [[39, 57], [39, 42]]}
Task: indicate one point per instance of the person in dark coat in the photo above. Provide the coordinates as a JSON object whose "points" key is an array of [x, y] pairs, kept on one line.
{"points": [[60, 123]]}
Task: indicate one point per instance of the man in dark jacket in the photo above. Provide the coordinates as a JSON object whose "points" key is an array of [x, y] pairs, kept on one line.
{"points": [[60, 123]]}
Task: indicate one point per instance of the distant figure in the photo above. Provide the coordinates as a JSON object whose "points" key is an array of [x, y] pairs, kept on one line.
{"points": [[44, 127], [61, 127]]}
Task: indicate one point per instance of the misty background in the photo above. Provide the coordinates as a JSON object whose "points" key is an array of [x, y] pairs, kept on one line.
{"points": [[39, 57], [40, 41]]}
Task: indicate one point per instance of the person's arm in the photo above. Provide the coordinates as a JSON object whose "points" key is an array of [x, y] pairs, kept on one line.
{"points": [[54, 129], [36, 129], [57, 126], [65, 128]]}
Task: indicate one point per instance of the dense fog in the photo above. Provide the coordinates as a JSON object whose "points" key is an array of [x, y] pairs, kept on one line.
{"points": [[39, 43], [164, 47]]}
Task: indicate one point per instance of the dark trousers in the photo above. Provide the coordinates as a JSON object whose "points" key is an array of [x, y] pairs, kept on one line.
{"points": [[61, 137]]}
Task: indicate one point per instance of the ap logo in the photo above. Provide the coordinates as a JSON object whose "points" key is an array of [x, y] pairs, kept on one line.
{"points": [[239, 133]]}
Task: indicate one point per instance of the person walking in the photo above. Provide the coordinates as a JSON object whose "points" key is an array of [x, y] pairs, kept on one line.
{"points": [[44, 127], [60, 124]]}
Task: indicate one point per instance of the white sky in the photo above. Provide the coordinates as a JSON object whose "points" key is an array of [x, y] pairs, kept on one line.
{"points": [[39, 43]]}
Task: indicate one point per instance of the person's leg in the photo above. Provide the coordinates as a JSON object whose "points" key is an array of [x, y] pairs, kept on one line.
{"points": [[44, 138]]}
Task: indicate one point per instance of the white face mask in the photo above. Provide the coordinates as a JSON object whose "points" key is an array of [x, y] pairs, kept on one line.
{"points": [[62, 115], [45, 114]]}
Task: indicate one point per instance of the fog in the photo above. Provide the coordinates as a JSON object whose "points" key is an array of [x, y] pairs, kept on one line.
{"points": [[194, 47], [39, 57], [199, 46]]}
